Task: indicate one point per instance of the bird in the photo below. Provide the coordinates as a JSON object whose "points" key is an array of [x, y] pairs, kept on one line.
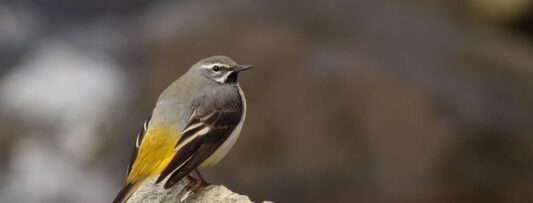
{"points": [[195, 122]]}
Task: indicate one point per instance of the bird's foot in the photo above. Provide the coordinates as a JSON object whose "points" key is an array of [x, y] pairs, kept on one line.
{"points": [[201, 186], [195, 185], [186, 191], [203, 182], [192, 182]]}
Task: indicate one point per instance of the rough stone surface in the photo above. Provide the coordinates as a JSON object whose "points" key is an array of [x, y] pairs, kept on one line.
{"points": [[151, 193]]}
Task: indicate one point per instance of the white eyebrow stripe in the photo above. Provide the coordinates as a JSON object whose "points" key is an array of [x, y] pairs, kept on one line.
{"points": [[210, 65]]}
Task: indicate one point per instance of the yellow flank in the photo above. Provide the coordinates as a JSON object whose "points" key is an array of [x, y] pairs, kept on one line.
{"points": [[155, 152]]}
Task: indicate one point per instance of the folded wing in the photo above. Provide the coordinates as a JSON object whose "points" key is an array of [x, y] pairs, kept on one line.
{"points": [[204, 134], [140, 137]]}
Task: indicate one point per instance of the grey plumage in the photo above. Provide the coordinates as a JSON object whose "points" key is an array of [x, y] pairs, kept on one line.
{"points": [[207, 107], [195, 89]]}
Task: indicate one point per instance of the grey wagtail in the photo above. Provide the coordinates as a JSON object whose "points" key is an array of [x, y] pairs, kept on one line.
{"points": [[194, 124]]}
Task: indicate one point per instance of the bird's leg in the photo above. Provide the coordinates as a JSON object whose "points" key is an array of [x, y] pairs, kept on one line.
{"points": [[192, 181], [203, 183], [187, 189]]}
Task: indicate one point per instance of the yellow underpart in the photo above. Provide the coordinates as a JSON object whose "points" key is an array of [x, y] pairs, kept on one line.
{"points": [[155, 152]]}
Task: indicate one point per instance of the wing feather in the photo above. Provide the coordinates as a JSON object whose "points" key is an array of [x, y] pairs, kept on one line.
{"points": [[206, 131], [138, 142], [208, 147]]}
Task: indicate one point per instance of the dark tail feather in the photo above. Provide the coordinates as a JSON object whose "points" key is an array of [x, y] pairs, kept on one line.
{"points": [[125, 192]]}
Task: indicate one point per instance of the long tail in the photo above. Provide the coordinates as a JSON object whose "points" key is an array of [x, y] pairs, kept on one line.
{"points": [[126, 192]]}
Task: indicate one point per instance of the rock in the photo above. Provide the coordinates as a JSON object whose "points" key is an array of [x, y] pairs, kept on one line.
{"points": [[155, 193]]}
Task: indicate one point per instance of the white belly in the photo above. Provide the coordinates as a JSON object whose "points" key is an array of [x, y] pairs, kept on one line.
{"points": [[230, 141]]}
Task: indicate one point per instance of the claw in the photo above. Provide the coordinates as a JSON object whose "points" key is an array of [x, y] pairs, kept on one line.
{"points": [[187, 189], [195, 185]]}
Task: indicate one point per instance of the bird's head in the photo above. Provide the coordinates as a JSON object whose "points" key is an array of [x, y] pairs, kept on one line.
{"points": [[220, 69]]}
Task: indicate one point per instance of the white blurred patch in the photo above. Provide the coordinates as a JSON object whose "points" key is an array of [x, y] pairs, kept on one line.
{"points": [[41, 174], [70, 94], [60, 86]]}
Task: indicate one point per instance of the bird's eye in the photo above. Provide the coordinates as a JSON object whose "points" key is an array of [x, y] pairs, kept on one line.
{"points": [[217, 68]]}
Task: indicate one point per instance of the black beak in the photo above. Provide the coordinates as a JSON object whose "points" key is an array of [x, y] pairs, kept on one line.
{"points": [[240, 68]]}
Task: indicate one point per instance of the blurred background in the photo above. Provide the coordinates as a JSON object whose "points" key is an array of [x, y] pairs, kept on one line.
{"points": [[350, 101]]}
